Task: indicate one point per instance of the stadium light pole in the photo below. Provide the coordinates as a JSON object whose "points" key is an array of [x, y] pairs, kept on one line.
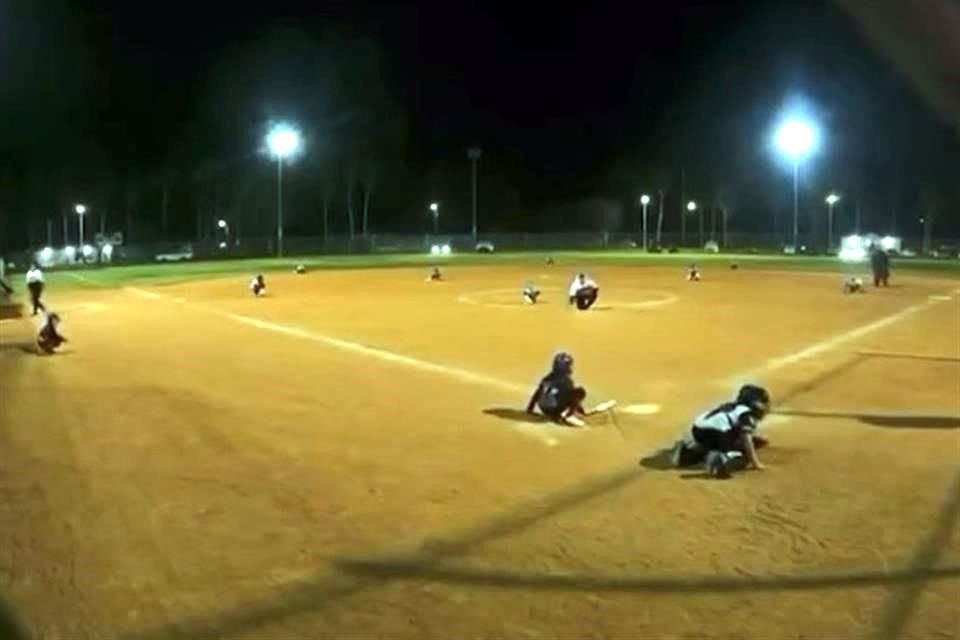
{"points": [[435, 212], [832, 199], [81, 211], [283, 141], [796, 140], [474, 154], [644, 202]]}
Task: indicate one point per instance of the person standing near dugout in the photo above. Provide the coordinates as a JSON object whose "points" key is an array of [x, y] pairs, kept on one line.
{"points": [[35, 285]]}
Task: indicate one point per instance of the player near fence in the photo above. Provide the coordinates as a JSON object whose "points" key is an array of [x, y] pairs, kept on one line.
{"points": [[557, 396], [583, 292], [49, 338], [258, 286], [725, 439], [35, 285]]}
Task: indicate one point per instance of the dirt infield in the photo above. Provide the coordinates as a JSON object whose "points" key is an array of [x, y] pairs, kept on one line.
{"points": [[346, 458]]}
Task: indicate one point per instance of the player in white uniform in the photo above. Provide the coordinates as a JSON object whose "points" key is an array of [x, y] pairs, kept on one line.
{"points": [[693, 273], [530, 293], [854, 284], [583, 292], [725, 438], [35, 287], [258, 286]]}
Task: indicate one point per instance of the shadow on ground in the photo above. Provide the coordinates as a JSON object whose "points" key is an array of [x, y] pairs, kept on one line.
{"points": [[517, 415], [888, 420]]}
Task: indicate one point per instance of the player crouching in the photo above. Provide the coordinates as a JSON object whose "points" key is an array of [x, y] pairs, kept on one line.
{"points": [[693, 273], [557, 397], [435, 275], [854, 285], [583, 292], [530, 293], [258, 286], [725, 439], [48, 337]]}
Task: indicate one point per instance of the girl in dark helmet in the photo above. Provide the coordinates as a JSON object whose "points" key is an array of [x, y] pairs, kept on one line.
{"points": [[557, 396], [48, 337], [725, 438]]}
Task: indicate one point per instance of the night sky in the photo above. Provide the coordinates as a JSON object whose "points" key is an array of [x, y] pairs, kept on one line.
{"points": [[105, 101]]}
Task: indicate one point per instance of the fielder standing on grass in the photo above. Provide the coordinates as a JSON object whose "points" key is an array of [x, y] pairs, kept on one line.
{"points": [[35, 286]]}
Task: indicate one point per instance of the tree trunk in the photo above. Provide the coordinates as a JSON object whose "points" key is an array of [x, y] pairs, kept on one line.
{"points": [[326, 216], [723, 227], [660, 219], [164, 220], [350, 212], [366, 207]]}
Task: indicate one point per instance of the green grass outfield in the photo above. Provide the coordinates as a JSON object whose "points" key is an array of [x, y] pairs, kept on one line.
{"points": [[170, 273]]}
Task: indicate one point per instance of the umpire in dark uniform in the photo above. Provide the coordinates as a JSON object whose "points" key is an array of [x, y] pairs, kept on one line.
{"points": [[880, 263]]}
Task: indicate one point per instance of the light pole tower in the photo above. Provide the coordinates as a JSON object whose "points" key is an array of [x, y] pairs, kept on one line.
{"points": [[283, 141], [474, 154], [832, 199], [644, 202]]}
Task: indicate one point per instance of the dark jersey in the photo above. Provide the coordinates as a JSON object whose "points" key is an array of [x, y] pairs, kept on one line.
{"points": [[554, 393]]}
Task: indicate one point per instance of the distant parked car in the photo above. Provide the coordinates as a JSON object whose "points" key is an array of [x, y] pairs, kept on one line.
{"points": [[185, 253], [484, 247]]}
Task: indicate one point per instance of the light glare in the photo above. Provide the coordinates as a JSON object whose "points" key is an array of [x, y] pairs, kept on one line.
{"points": [[80, 209], [283, 141], [644, 199], [46, 253], [833, 199], [445, 250], [796, 138]]}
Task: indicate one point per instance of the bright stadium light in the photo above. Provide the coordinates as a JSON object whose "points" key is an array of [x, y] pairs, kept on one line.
{"points": [[283, 141], [852, 249], [46, 253], [222, 224], [70, 252], [445, 250], [435, 250], [107, 251], [87, 251], [644, 199], [691, 206], [796, 139]]}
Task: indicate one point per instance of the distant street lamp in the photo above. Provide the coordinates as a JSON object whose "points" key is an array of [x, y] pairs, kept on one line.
{"points": [[832, 199], [283, 142], [644, 201], [81, 211], [435, 211], [796, 139], [222, 224]]}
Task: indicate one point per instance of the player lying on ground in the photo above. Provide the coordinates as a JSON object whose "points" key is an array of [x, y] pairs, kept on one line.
{"points": [[557, 397], [693, 273], [257, 286], [853, 284], [48, 337], [435, 275], [583, 292], [530, 293], [725, 439]]}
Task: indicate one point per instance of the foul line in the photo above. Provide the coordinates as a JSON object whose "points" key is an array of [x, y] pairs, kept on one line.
{"points": [[828, 344]]}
